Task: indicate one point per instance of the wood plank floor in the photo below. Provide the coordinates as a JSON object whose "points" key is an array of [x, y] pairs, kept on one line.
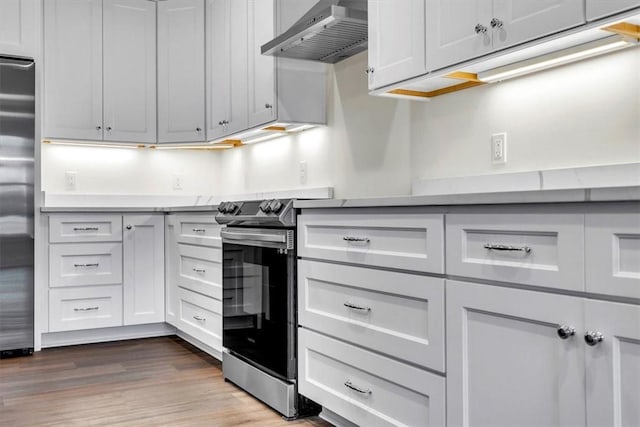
{"points": [[150, 382]]}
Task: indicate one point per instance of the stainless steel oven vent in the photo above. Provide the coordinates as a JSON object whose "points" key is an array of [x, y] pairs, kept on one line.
{"points": [[326, 34]]}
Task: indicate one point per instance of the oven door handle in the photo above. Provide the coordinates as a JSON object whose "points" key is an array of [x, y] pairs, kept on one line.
{"points": [[255, 237]]}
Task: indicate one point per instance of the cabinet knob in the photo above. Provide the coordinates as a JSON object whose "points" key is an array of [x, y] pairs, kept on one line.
{"points": [[198, 129], [496, 23], [481, 29], [129, 227], [108, 128], [369, 70], [593, 338], [566, 332], [268, 106], [98, 127]]}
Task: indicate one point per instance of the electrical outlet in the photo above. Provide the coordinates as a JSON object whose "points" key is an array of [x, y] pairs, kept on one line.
{"points": [[499, 148], [70, 180], [177, 181], [303, 172]]}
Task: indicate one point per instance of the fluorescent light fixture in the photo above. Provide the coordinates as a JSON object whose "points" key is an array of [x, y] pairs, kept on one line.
{"points": [[299, 128], [564, 56], [90, 144], [193, 147]]}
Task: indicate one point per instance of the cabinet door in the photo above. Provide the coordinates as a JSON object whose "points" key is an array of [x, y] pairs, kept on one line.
{"points": [[73, 69], [457, 30], [397, 37], [613, 365], [612, 254], [601, 8], [171, 270], [181, 54], [18, 28], [506, 365], [262, 68], [130, 70], [519, 21], [143, 269], [226, 78]]}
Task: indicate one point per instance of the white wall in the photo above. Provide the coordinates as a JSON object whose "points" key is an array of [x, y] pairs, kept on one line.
{"points": [[581, 114], [128, 171]]}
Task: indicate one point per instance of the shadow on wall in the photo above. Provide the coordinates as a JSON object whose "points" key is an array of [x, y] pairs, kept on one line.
{"points": [[372, 127]]}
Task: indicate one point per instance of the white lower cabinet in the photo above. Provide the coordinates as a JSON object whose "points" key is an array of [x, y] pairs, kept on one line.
{"points": [[612, 364], [367, 388], [72, 309], [506, 365], [193, 252]]}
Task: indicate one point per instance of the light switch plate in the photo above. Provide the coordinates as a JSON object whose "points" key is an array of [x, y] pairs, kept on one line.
{"points": [[70, 180]]}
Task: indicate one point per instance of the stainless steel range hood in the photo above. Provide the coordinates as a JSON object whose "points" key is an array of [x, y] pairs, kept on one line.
{"points": [[331, 31]]}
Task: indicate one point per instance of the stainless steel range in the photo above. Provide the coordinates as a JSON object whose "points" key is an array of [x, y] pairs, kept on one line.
{"points": [[259, 302]]}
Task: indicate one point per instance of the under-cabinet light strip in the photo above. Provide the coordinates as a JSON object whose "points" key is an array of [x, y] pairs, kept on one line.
{"points": [[560, 57]]}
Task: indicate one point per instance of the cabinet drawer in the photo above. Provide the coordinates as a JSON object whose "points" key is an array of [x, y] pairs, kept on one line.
{"points": [[86, 228], [85, 264], [394, 313], [395, 240], [200, 317], [613, 254], [200, 270], [198, 230], [543, 250], [366, 388], [85, 308]]}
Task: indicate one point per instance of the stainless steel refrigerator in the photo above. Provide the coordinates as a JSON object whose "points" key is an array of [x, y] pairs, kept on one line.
{"points": [[17, 131]]}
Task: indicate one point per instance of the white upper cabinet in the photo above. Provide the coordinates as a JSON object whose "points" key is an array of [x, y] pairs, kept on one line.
{"points": [[226, 78], [129, 70], [181, 89], [514, 21], [390, 61], [601, 8], [18, 28], [73, 64], [262, 68], [459, 30]]}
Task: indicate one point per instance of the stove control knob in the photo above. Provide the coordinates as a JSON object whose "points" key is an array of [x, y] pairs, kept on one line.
{"points": [[276, 206], [264, 206], [221, 207], [231, 208]]}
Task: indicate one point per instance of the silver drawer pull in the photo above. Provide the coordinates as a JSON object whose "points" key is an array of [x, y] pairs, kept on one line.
{"points": [[199, 230], [200, 319], [356, 307], [85, 228], [348, 384], [87, 309], [356, 239], [494, 247], [199, 270], [86, 265]]}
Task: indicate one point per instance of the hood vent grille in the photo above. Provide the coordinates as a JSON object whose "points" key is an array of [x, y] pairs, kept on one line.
{"points": [[331, 36]]}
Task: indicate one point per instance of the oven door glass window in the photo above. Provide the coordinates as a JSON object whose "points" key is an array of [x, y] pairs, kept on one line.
{"points": [[257, 298]]}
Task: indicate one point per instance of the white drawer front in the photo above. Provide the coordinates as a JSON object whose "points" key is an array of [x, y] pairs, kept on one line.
{"points": [[85, 264], [543, 250], [403, 241], [85, 308], [200, 317], [198, 230], [200, 270], [394, 313], [85, 228], [613, 254], [366, 388]]}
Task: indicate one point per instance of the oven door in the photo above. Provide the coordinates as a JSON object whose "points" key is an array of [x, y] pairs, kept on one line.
{"points": [[259, 298]]}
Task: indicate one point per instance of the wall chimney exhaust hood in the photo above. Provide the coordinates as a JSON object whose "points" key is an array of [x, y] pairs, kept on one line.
{"points": [[331, 31]]}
